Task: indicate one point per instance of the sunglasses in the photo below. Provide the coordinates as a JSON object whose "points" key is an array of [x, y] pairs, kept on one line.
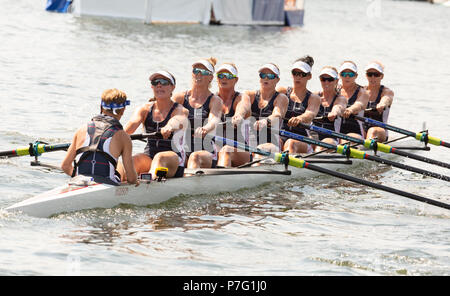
{"points": [[299, 73], [161, 81], [225, 75], [201, 71], [329, 79], [268, 76], [373, 74], [348, 74]]}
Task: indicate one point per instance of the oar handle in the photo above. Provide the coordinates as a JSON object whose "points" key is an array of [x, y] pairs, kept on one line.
{"points": [[155, 135]]}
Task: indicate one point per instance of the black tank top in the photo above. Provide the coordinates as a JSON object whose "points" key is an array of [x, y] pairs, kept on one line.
{"points": [[351, 125], [157, 145], [265, 135], [267, 110], [295, 109], [372, 105], [196, 118], [322, 118], [231, 112]]}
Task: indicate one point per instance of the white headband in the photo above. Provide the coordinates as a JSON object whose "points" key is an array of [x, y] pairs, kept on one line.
{"points": [[205, 63], [348, 65], [165, 74], [271, 67], [302, 66], [330, 72], [229, 68], [375, 66]]}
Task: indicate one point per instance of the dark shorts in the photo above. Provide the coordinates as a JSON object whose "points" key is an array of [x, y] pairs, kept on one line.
{"points": [[179, 173]]}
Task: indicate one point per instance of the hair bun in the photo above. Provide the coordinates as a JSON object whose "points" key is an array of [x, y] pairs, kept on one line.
{"points": [[213, 61]]}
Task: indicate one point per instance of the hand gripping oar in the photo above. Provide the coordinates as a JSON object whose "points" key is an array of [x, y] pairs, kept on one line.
{"points": [[355, 153], [34, 149], [423, 137], [299, 163], [376, 146]]}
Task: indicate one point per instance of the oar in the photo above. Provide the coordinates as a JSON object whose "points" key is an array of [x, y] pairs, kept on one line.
{"points": [[374, 145], [299, 163], [37, 148], [423, 137], [155, 135], [34, 149], [355, 153]]}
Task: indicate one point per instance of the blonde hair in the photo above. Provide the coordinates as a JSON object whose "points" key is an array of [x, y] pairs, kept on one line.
{"points": [[348, 62], [114, 95], [212, 61], [379, 63]]}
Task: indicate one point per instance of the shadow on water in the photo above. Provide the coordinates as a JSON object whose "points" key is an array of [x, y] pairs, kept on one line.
{"points": [[201, 212]]}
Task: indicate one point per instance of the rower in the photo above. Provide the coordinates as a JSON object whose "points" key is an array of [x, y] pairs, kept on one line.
{"points": [[268, 107], [161, 115], [332, 105], [303, 105], [380, 101], [357, 99], [236, 107], [99, 144], [205, 111]]}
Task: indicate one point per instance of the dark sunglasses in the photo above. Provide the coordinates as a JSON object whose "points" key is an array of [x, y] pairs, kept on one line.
{"points": [[267, 75], [161, 81], [201, 71], [329, 79], [225, 75], [373, 74], [299, 73], [348, 74]]}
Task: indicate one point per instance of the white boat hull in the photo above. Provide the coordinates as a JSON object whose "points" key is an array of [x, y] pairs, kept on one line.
{"points": [[69, 198]]}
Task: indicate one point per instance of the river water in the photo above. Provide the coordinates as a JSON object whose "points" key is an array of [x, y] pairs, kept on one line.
{"points": [[53, 68]]}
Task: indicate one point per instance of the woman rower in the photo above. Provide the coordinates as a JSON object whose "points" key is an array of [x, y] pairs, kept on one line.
{"points": [[161, 115], [303, 105], [380, 101], [100, 143], [357, 99], [268, 108], [332, 105], [205, 111], [236, 107]]}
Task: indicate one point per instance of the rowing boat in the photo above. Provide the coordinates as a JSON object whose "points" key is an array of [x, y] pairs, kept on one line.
{"points": [[84, 194]]}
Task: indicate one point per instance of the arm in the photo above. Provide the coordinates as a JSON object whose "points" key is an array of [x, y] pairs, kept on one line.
{"points": [[359, 105], [138, 117], [279, 108], [214, 117], [127, 158], [338, 108], [176, 122], [279, 111], [310, 112], [66, 164], [386, 100], [242, 109]]}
